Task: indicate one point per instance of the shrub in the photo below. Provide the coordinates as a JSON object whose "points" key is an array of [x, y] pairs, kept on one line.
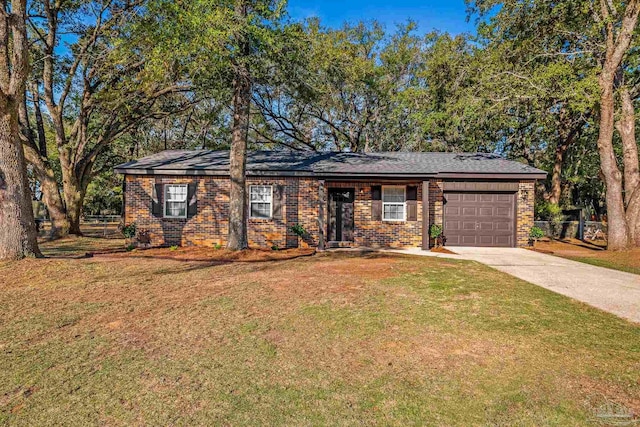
{"points": [[173, 248], [435, 232], [551, 212], [217, 246], [299, 230], [130, 247], [275, 248], [536, 233], [129, 231]]}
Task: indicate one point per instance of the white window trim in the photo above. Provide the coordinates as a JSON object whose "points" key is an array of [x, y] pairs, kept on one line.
{"points": [[164, 201], [404, 204], [270, 202]]}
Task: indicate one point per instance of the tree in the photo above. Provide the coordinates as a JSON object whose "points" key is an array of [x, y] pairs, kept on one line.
{"points": [[17, 233], [341, 89], [619, 24], [221, 49], [598, 33], [92, 93], [240, 128]]}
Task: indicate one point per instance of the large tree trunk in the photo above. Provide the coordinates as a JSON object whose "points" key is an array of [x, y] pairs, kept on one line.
{"points": [[567, 138], [618, 237], [18, 237], [73, 191], [555, 193], [50, 193], [626, 127], [238, 156], [618, 40]]}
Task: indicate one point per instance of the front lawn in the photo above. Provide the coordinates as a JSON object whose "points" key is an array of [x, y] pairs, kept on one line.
{"points": [[336, 338], [594, 254]]}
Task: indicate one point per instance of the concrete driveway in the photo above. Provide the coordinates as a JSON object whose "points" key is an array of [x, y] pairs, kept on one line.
{"points": [[609, 290]]}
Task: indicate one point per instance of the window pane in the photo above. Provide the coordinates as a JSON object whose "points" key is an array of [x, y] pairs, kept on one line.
{"points": [[260, 210], [260, 193], [176, 209], [393, 194], [176, 193], [393, 212]]}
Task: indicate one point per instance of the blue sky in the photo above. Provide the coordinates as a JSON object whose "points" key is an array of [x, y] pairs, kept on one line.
{"points": [[443, 15]]}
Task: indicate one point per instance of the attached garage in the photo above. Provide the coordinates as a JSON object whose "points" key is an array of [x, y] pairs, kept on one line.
{"points": [[480, 219]]}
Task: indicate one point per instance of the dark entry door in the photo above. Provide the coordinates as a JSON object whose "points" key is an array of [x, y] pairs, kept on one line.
{"points": [[479, 219], [341, 214]]}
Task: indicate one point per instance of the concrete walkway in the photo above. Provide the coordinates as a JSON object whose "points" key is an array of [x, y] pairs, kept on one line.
{"points": [[610, 290]]}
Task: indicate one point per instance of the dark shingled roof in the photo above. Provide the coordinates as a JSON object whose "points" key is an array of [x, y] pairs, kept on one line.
{"points": [[332, 164]]}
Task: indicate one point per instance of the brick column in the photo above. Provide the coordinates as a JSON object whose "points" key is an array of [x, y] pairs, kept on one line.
{"points": [[425, 214], [321, 221]]}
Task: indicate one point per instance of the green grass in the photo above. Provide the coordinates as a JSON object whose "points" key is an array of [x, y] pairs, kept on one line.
{"points": [[333, 339], [612, 264]]}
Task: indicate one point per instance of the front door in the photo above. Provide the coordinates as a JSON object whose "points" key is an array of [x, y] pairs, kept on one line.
{"points": [[341, 214]]}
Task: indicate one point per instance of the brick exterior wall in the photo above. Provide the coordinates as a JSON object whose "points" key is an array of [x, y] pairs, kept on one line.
{"points": [[300, 205], [210, 225], [436, 206], [375, 234]]}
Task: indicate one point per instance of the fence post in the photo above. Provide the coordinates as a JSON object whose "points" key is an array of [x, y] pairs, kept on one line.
{"points": [[581, 225]]}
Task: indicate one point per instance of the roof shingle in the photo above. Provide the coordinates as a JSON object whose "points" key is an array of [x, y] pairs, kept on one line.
{"points": [[329, 164]]}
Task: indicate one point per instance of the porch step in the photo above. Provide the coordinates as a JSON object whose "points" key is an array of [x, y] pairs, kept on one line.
{"points": [[337, 244]]}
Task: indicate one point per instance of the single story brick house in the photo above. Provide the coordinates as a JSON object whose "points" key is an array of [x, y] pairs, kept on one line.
{"points": [[341, 199]]}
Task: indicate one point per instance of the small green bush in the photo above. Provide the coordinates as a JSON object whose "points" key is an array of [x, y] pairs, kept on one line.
{"points": [[536, 233], [299, 230], [217, 246], [130, 247], [129, 231], [275, 248], [435, 231], [173, 248]]}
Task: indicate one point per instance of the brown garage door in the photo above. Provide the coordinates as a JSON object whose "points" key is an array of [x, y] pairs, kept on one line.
{"points": [[479, 219]]}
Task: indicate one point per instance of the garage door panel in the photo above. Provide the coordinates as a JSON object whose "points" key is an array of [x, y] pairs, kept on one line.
{"points": [[485, 226], [479, 219], [452, 211], [503, 241], [469, 211], [504, 226], [452, 225], [467, 241], [468, 225], [504, 211], [485, 211]]}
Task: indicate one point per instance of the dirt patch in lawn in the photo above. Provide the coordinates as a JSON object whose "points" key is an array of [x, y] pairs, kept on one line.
{"points": [[592, 253], [205, 254]]}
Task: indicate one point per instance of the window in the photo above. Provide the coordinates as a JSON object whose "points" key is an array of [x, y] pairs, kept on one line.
{"points": [[393, 203], [260, 197], [175, 201]]}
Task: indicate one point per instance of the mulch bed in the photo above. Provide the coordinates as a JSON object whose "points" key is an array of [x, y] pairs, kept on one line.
{"points": [[443, 250], [206, 254]]}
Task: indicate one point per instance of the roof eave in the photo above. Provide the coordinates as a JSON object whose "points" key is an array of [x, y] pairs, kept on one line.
{"points": [[327, 175]]}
